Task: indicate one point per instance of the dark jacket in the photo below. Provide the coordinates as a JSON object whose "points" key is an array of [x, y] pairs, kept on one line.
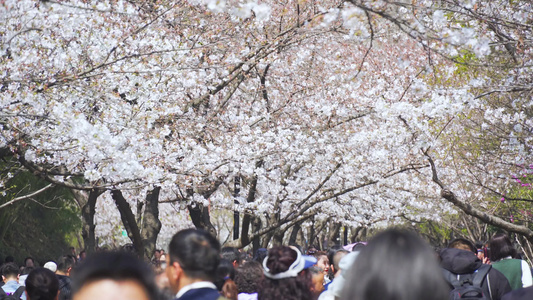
{"points": [[200, 294], [64, 287], [520, 294], [461, 262]]}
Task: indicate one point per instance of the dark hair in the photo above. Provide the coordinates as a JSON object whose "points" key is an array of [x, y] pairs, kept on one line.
{"points": [[293, 288], [232, 254], [337, 258], [10, 269], [9, 259], [64, 263], [224, 279], [501, 247], [248, 277], [26, 259], [42, 284], [260, 255], [27, 270], [395, 265], [197, 252], [463, 244], [225, 270], [118, 266]]}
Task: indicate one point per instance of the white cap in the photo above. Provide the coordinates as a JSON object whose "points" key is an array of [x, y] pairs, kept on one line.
{"points": [[51, 266]]}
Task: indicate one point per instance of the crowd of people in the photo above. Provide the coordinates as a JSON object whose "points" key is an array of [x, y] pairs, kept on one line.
{"points": [[394, 265]]}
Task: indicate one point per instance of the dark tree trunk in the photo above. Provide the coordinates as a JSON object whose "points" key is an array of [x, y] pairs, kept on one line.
{"points": [[294, 233], [129, 222], [201, 219], [151, 224], [88, 211]]}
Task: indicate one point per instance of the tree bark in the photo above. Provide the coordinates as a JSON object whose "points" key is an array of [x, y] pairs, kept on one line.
{"points": [[201, 219], [294, 233], [87, 203], [150, 223], [129, 222]]}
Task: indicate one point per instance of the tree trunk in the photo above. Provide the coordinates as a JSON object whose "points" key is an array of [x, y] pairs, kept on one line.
{"points": [[294, 233], [150, 222], [88, 210], [201, 219], [129, 222]]}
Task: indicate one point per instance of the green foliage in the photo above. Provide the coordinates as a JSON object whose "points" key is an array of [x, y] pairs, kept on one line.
{"points": [[42, 227]]}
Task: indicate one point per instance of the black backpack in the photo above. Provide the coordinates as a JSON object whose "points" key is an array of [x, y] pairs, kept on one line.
{"points": [[11, 296], [468, 287]]}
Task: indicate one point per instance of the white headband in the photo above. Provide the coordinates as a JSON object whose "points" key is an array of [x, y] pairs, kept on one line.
{"points": [[297, 266]]}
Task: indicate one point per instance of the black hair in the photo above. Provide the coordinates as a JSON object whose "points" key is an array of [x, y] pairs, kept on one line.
{"points": [[27, 270], [230, 253], [9, 259], [225, 270], [463, 244], [10, 270], [395, 265], [197, 252], [118, 266], [64, 263], [26, 259], [260, 255], [501, 247], [293, 288], [42, 284], [337, 258], [248, 277]]}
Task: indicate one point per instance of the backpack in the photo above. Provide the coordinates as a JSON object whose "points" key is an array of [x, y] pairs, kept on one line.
{"points": [[12, 296], [468, 287]]}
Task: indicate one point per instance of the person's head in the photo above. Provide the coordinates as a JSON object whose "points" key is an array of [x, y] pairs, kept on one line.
{"points": [[28, 262], [232, 254], [248, 277], [193, 255], [500, 247], [42, 284], [83, 255], [463, 244], [64, 265], [322, 261], [113, 276], [317, 281], [10, 271], [381, 268], [224, 279], [260, 255], [339, 254], [9, 259], [286, 276], [157, 254]]}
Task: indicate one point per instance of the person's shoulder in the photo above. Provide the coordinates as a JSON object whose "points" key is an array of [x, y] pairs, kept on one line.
{"points": [[520, 294], [201, 294]]}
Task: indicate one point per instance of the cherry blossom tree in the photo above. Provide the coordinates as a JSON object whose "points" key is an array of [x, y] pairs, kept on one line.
{"points": [[324, 110]]}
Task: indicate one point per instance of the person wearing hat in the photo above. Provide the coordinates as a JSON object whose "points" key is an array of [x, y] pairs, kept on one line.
{"points": [[286, 276]]}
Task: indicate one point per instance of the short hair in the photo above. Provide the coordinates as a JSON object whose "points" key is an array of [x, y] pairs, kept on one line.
{"points": [[463, 244], [197, 252], [27, 258], [337, 258], [248, 277], [117, 266], [380, 268], [230, 253], [64, 263], [501, 247], [42, 284], [10, 269]]}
